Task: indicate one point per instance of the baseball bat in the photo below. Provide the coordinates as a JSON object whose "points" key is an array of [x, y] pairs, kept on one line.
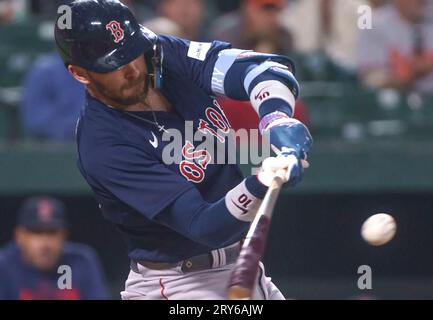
{"points": [[244, 275]]}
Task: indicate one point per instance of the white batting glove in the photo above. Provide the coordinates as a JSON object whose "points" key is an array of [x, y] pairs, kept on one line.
{"points": [[281, 165]]}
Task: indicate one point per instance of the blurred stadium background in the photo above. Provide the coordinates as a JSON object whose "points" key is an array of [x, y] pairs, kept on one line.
{"points": [[373, 153]]}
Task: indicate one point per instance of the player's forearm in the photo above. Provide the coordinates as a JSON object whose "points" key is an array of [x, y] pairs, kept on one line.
{"points": [[215, 224]]}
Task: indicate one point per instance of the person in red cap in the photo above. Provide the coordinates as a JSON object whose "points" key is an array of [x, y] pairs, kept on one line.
{"points": [[35, 265], [254, 26]]}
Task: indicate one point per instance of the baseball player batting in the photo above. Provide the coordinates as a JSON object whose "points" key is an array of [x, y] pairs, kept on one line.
{"points": [[183, 222]]}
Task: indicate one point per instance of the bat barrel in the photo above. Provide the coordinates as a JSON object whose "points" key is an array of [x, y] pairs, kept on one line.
{"points": [[244, 274], [245, 271]]}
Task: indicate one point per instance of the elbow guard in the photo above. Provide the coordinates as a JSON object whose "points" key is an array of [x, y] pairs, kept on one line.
{"points": [[233, 65], [271, 81]]}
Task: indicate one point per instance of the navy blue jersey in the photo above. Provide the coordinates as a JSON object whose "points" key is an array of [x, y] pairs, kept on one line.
{"points": [[120, 155], [19, 281]]}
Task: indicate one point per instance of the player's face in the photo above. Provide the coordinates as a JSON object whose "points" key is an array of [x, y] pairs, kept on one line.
{"points": [[126, 86], [41, 250]]}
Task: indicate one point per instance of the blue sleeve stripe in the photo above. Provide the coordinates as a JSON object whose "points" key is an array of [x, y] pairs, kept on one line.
{"points": [[255, 72], [225, 60]]}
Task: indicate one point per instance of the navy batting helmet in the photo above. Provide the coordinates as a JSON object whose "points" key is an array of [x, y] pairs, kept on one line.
{"points": [[103, 36]]}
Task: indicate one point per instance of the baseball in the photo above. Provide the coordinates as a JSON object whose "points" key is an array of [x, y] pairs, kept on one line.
{"points": [[379, 229]]}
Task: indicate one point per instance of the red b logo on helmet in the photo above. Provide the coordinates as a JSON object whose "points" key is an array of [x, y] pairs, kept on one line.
{"points": [[116, 31]]}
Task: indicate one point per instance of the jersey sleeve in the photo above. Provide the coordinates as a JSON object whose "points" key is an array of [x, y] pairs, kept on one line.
{"points": [[194, 60], [137, 179], [221, 70], [210, 224]]}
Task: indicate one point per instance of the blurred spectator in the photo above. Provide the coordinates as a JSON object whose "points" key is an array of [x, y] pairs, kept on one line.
{"points": [[187, 15], [29, 267], [227, 5], [140, 11], [12, 11], [377, 3], [255, 26], [328, 26], [52, 100], [429, 11], [398, 52], [161, 25]]}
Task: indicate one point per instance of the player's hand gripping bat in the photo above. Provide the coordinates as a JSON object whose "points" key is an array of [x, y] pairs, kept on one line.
{"points": [[244, 274]]}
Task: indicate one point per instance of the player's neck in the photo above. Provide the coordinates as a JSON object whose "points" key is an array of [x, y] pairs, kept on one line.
{"points": [[154, 101]]}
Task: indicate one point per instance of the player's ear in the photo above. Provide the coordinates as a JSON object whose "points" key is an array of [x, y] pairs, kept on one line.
{"points": [[79, 74]]}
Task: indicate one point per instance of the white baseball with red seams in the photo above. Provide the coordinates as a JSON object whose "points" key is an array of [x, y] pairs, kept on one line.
{"points": [[379, 229]]}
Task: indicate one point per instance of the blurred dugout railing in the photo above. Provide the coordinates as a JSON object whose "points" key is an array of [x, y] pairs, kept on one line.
{"points": [[352, 112]]}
